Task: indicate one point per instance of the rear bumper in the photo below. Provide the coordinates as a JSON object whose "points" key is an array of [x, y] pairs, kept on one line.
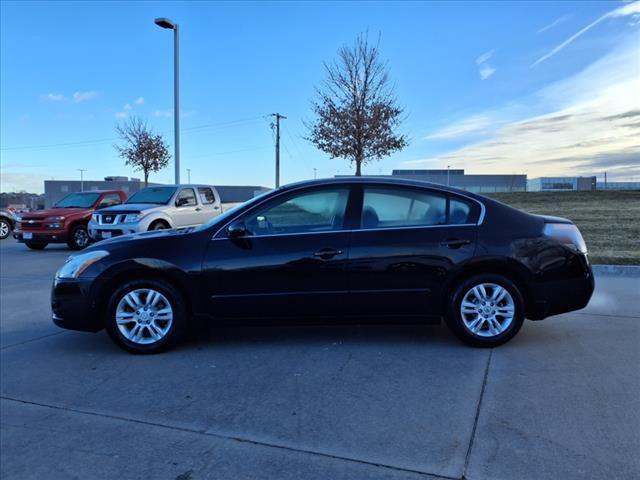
{"points": [[73, 305], [563, 291], [41, 236]]}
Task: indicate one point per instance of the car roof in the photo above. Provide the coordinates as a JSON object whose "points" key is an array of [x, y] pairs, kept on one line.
{"points": [[181, 185], [381, 180]]}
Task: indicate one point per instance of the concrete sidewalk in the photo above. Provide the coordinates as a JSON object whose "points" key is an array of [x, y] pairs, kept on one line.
{"points": [[562, 400]]}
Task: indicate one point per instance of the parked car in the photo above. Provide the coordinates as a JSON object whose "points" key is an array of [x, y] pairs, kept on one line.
{"points": [[359, 249], [7, 223], [66, 221], [157, 208]]}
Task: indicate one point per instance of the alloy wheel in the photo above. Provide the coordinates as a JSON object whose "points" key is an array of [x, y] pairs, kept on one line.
{"points": [[4, 229], [81, 237], [487, 310], [144, 316]]}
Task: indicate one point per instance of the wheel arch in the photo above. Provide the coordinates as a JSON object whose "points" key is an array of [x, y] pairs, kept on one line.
{"points": [[508, 268]]}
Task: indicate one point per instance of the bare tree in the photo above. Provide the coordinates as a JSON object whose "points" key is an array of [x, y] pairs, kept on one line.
{"points": [[141, 148], [356, 110]]}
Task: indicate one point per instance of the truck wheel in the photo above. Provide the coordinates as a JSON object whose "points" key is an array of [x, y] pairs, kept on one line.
{"points": [[146, 316], [36, 246], [159, 225], [78, 237], [5, 229]]}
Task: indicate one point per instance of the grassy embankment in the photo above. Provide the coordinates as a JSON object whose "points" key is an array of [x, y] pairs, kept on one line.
{"points": [[609, 220]]}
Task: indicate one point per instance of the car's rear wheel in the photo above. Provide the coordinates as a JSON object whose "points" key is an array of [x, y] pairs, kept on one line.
{"points": [[485, 310], [36, 245], [146, 316], [5, 229], [78, 237]]}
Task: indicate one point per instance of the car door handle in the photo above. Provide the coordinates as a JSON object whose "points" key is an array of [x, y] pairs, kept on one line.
{"points": [[327, 253], [216, 207], [454, 242], [198, 209]]}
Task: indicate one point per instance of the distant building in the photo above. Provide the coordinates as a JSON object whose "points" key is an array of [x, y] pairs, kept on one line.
{"points": [[55, 190], [561, 184], [618, 186], [478, 183]]}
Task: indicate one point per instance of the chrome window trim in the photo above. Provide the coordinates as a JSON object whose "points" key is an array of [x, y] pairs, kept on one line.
{"points": [[351, 184]]}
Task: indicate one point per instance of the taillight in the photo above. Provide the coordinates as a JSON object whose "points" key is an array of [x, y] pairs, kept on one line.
{"points": [[567, 234]]}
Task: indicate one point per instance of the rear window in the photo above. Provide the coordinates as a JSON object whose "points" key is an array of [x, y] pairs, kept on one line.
{"points": [[206, 195], [459, 212]]}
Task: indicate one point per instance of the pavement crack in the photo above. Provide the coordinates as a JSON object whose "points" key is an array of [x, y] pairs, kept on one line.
{"points": [[31, 340], [475, 420], [423, 474]]}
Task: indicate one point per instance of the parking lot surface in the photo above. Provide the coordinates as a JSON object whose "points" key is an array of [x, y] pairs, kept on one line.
{"points": [[561, 400]]}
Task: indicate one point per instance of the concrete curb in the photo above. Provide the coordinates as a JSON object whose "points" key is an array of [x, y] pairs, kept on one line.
{"points": [[618, 270]]}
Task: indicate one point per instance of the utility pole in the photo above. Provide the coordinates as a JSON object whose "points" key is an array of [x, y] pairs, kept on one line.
{"points": [[81, 170], [605, 180], [315, 173], [278, 117], [448, 174], [189, 175]]}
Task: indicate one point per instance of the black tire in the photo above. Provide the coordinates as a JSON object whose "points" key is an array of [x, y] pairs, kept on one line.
{"points": [[36, 245], [174, 334], [457, 325], [78, 238], [159, 225], [5, 228]]}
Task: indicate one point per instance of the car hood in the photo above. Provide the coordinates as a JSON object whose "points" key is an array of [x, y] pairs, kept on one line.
{"points": [[552, 219], [115, 241], [131, 208], [55, 212]]}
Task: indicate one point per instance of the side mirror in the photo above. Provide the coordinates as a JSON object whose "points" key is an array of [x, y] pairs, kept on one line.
{"points": [[181, 201], [236, 230]]}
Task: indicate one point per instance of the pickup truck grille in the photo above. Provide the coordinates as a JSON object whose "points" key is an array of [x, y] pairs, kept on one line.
{"points": [[30, 223], [109, 218]]}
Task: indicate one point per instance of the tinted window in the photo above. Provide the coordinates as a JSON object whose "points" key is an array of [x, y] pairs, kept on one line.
{"points": [[160, 195], [186, 198], [80, 200], [109, 200], [459, 212], [206, 195], [388, 207], [318, 211]]}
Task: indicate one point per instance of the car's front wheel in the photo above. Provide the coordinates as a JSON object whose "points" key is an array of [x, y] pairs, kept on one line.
{"points": [[146, 316], [485, 310], [78, 237], [5, 228]]}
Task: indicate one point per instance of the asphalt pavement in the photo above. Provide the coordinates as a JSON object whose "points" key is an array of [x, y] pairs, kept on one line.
{"points": [[561, 400]]}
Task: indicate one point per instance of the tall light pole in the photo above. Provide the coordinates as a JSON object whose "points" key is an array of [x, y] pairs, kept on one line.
{"points": [[81, 170], [278, 118], [166, 23], [448, 174], [188, 175]]}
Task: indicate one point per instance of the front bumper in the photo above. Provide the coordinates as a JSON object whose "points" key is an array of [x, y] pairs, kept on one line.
{"points": [[565, 290], [41, 236], [73, 305], [101, 232]]}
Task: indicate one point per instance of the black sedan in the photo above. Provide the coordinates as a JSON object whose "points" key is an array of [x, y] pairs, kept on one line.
{"points": [[352, 249]]}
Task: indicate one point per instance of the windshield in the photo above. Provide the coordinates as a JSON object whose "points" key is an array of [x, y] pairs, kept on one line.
{"points": [[160, 195], [229, 213], [78, 200]]}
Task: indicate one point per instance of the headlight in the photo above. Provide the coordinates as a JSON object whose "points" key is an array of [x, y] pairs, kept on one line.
{"points": [[133, 217], [18, 219], [94, 217], [54, 219], [76, 264]]}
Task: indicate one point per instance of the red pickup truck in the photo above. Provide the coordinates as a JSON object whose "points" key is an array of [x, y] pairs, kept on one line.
{"points": [[66, 221]]}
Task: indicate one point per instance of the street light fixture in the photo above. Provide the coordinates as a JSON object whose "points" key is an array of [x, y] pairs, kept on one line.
{"points": [[167, 23]]}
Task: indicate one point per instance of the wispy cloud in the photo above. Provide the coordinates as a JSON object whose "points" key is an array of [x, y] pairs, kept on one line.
{"points": [[128, 107], [54, 97], [84, 96], [591, 122], [555, 23], [122, 114], [630, 9], [163, 113], [484, 69], [139, 101]]}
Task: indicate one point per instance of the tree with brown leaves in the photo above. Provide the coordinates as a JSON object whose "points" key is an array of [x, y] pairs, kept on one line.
{"points": [[141, 148], [356, 110]]}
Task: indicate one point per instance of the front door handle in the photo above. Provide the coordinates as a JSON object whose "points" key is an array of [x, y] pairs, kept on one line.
{"points": [[454, 242], [198, 209], [327, 253]]}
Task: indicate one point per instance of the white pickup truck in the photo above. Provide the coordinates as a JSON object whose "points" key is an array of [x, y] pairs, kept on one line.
{"points": [[156, 208]]}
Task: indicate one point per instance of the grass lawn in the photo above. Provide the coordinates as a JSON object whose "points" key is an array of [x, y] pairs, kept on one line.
{"points": [[609, 220]]}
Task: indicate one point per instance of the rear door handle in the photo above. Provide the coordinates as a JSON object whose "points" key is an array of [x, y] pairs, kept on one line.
{"points": [[454, 242], [327, 253], [198, 209]]}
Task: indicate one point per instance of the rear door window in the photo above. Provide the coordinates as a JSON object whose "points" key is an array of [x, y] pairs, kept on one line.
{"points": [[206, 195], [402, 207]]}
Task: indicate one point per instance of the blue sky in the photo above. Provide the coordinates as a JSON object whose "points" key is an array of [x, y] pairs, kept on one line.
{"points": [[492, 87]]}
